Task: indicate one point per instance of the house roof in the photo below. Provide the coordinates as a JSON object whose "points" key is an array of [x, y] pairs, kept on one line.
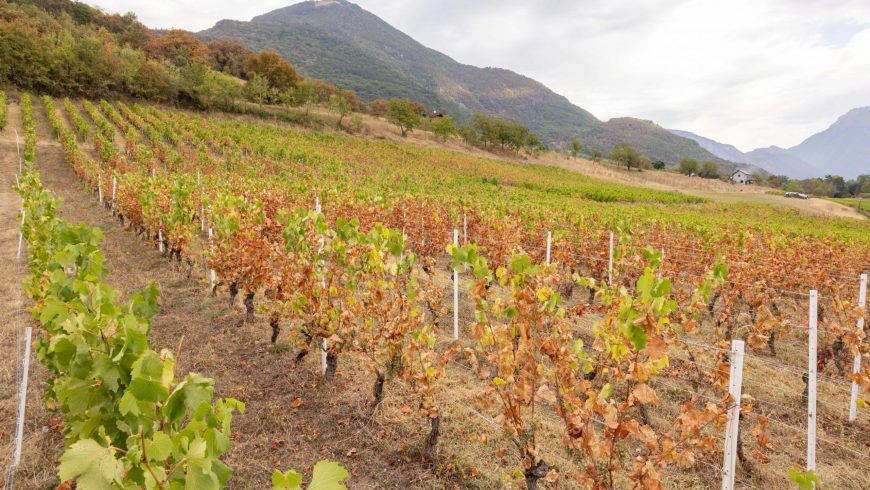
{"points": [[741, 172]]}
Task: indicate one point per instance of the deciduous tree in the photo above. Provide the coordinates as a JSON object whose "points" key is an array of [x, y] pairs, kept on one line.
{"points": [[341, 105], [402, 114], [379, 107], [276, 70], [625, 154], [444, 127], [229, 56], [178, 47], [576, 146]]}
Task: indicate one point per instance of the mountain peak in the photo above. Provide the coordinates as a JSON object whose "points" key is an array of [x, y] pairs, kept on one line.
{"points": [[342, 43], [857, 114]]}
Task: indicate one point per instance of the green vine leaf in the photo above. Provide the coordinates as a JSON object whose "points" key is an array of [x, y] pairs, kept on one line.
{"points": [[91, 465]]}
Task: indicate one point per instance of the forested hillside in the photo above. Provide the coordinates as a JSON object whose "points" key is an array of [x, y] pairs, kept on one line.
{"points": [[62, 47]]}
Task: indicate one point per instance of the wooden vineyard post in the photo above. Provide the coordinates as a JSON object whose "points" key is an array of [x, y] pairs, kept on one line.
{"points": [[549, 240], [856, 364], [22, 399], [811, 380], [732, 431], [100, 187], [455, 291], [464, 229], [114, 190], [160, 240], [610, 263]]}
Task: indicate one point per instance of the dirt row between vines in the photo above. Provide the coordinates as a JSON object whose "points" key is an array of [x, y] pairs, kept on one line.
{"points": [[41, 446]]}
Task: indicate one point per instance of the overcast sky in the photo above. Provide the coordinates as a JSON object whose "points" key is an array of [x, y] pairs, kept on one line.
{"points": [[747, 72]]}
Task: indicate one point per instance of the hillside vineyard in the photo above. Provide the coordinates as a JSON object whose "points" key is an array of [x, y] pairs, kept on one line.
{"points": [[600, 317]]}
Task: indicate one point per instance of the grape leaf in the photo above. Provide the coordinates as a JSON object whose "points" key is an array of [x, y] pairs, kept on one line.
{"points": [[91, 465], [328, 476]]}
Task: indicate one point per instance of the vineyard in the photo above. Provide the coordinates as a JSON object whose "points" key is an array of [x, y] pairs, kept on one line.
{"points": [[523, 325]]}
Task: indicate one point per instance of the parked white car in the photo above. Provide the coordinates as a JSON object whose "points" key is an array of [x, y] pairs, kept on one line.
{"points": [[796, 195]]}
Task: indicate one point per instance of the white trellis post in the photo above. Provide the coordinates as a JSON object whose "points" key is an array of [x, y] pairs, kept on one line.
{"points": [[201, 209], [20, 233], [323, 356], [464, 228], [610, 263], [114, 189], [212, 275], [732, 431], [18, 152], [22, 399], [422, 234], [549, 240], [324, 345], [856, 364], [160, 240], [811, 381], [100, 187], [455, 291]]}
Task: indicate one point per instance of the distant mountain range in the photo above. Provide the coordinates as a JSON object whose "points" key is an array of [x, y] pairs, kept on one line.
{"points": [[342, 43], [842, 149]]}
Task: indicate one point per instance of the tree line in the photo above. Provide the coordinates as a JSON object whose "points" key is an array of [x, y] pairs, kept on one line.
{"points": [[827, 186]]}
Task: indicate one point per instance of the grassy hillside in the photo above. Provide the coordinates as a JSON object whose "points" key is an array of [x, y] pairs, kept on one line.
{"points": [[862, 205]]}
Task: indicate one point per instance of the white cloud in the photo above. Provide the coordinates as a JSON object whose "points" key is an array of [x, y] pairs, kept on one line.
{"points": [[747, 72]]}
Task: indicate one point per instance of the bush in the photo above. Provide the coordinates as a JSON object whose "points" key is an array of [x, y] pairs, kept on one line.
{"points": [[688, 166], [709, 170], [444, 127]]}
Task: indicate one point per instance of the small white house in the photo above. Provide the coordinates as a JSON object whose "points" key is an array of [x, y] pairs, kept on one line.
{"points": [[742, 177]]}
